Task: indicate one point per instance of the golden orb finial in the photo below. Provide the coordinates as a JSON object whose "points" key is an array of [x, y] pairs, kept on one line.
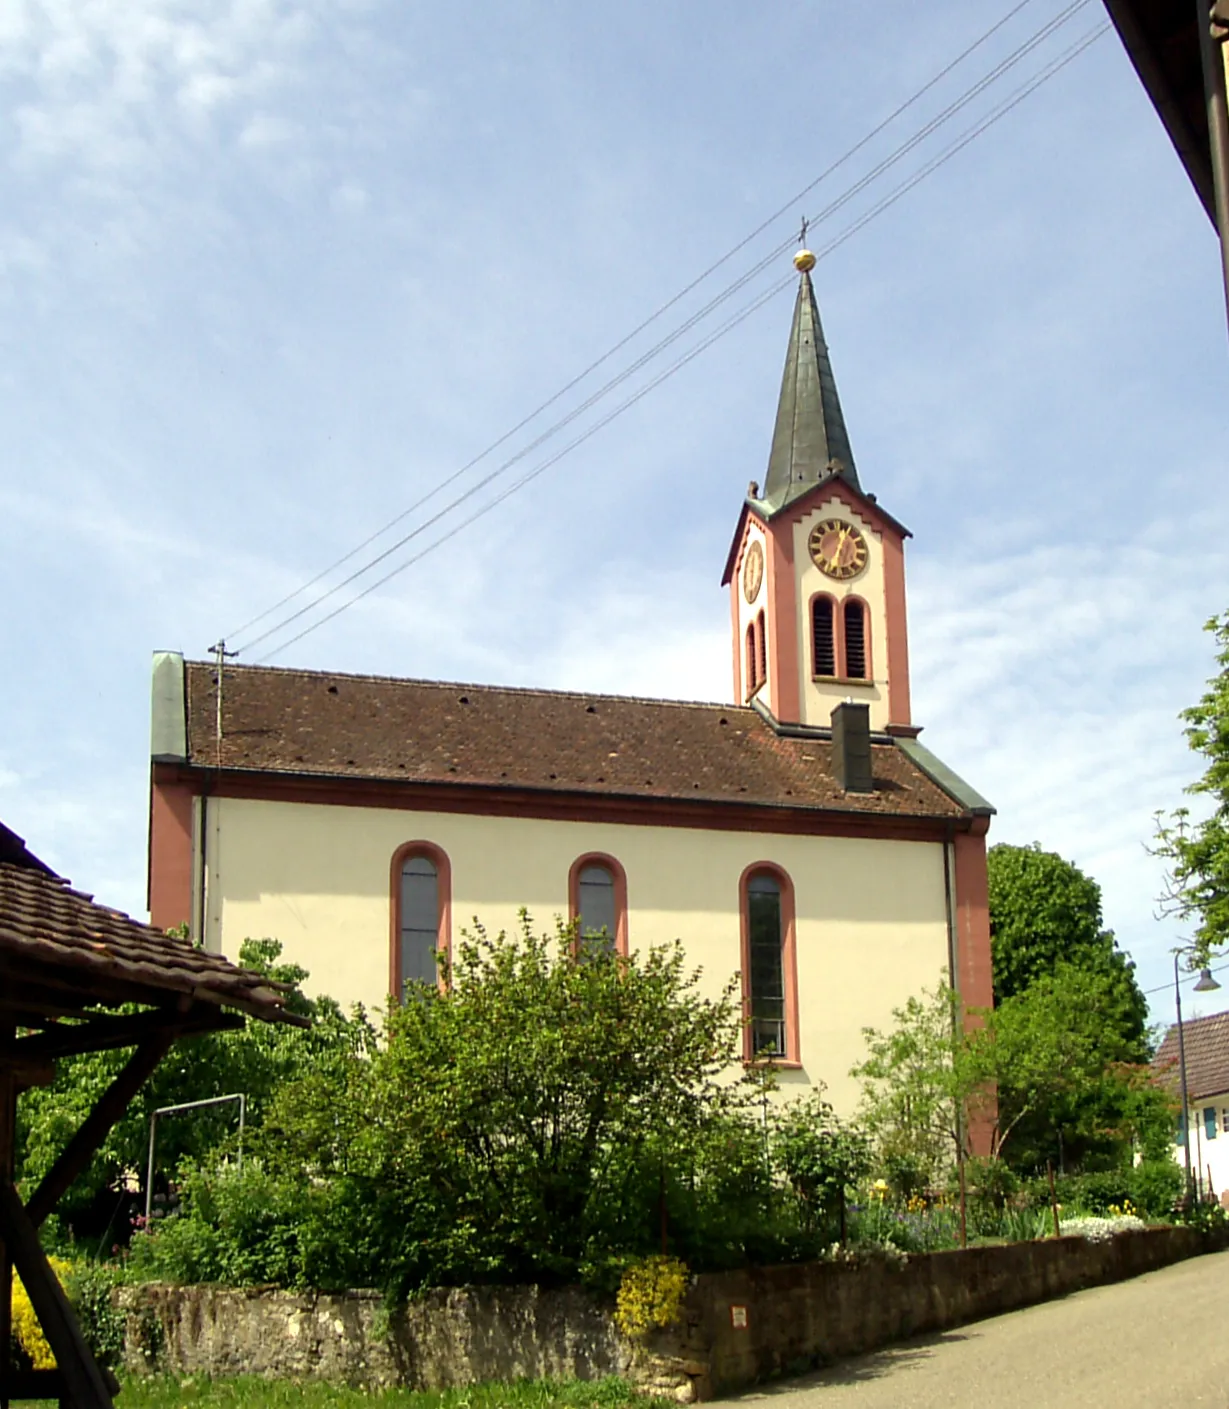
{"points": [[804, 261]]}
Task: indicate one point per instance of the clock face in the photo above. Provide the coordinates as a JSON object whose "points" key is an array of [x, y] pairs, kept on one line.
{"points": [[753, 571], [838, 549]]}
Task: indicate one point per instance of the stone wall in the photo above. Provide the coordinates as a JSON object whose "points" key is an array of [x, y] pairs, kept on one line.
{"points": [[737, 1327]]}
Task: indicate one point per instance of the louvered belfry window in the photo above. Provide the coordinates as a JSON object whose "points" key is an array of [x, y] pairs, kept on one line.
{"points": [[766, 964], [763, 675], [823, 631], [752, 680], [420, 921], [855, 640]]}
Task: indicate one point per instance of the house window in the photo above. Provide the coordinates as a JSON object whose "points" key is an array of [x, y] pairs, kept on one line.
{"points": [[823, 634], [421, 883], [769, 985], [597, 908], [855, 640], [1224, 1119], [597, 901]]}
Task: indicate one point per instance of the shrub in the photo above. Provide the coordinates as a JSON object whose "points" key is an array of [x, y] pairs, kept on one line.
{"points": [[650, 1295], [1156, 1186]]}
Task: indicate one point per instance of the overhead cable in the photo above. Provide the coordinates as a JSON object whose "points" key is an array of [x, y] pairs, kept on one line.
{"points": [[889, 200], [790, 206], [910, 144]]}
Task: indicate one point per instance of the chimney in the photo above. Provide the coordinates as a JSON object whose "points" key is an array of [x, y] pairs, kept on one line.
{"points": [[851, 747]]}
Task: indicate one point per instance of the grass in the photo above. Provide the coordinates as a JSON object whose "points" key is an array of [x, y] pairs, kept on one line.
{"points": [[251, 1392]]}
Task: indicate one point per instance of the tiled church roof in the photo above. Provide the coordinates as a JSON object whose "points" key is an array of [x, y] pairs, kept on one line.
{"points": [[1207, 1056], [377, 728]]}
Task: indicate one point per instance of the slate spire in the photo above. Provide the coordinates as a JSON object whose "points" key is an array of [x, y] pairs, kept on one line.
{"points": [[809, 442]]}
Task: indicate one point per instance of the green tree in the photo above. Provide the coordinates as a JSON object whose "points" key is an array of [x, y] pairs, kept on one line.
{"points": [[1045, 914], [531, 1117], [821, 1156], [1196, 852], [917, 1085], [256, 1059], [1069, 1085]]}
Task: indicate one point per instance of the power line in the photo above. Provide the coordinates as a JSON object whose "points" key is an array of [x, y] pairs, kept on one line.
{"points": [[904, 187], [669, 339], [790, 205]]}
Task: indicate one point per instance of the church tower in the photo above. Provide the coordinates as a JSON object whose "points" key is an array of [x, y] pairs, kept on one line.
{"points": [[816, 570]]}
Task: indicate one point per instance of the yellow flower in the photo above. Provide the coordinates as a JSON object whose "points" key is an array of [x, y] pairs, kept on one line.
{"points": [[26, 1325], [650, 1294]]}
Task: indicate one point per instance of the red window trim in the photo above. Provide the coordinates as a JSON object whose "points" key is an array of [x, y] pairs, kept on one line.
{"points": [[601, 858], [443, 874], [789, 964], [842, 677]]}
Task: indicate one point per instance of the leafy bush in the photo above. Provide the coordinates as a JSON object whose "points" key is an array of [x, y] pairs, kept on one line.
{"points": [[1156, 1186], [822, 1158], [535, 1119]]}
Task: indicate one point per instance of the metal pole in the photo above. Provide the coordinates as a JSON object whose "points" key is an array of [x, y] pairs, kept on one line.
{"points": [[177, 1110], [1186, 1123], [149, 1172], [1218, 131]]}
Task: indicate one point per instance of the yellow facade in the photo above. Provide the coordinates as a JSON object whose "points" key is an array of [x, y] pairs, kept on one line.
{"points": [[871, 915]]}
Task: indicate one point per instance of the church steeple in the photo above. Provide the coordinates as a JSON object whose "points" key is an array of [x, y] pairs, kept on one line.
{"points": [[809, 442], [816, 568]]}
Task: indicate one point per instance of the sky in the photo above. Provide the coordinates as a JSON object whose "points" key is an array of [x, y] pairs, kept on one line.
{"points": [[272, 270]]}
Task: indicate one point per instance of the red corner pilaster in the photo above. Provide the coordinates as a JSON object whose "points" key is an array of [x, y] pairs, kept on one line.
{"points": [[975, 974], [170, 853]]}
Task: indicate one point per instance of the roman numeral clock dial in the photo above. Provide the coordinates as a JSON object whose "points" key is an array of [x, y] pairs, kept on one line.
{"points": [[838, 549]]}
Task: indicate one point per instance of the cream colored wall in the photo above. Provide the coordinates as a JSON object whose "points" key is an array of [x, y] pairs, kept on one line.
{"points": [[748, 611], [871, 927], [818, 701]]}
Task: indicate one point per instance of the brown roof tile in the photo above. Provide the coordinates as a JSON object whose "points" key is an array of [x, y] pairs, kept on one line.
{"points": [[373, 727], [50, 933], [1207, 1056]]}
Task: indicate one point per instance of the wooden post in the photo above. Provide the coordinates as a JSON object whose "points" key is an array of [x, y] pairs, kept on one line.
{"points": [[95, 1127], [1053, 1198], [964, 1203], [84, 1383], [8, 1121]]}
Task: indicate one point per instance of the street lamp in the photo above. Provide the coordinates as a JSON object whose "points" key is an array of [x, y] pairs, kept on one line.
{"points": [[1206, 984]]}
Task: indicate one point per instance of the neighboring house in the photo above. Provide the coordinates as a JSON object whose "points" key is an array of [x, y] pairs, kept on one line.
{"points": [[802, 837], [1207, 1087]]}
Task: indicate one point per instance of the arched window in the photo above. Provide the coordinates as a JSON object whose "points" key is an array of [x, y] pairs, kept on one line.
{"points": [[856, 663], [823, 635], [769, 982], [752, 681], [763, 675], [421, 905], [597, 898]]}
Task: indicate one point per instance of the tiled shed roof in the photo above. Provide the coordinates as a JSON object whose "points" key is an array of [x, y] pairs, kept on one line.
{"points": [[372, 727], [63, 939], [1207, 1056]]}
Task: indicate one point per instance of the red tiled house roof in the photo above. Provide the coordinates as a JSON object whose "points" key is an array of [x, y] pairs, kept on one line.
{"points": [[1207, 1056]]}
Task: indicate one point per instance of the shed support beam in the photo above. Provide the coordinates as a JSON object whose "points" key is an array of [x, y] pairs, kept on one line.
{"points": [[96, 1126], [83, 1380]]}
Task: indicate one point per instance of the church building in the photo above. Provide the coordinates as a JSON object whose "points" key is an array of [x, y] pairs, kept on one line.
{"points": [[801, 836]]}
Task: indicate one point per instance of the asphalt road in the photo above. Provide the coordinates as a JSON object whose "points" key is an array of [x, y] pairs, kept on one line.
{"points": [[1161, 1339]]}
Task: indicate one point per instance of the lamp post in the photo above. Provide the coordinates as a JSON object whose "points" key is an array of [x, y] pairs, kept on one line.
{"points": [[1206, 984]]}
